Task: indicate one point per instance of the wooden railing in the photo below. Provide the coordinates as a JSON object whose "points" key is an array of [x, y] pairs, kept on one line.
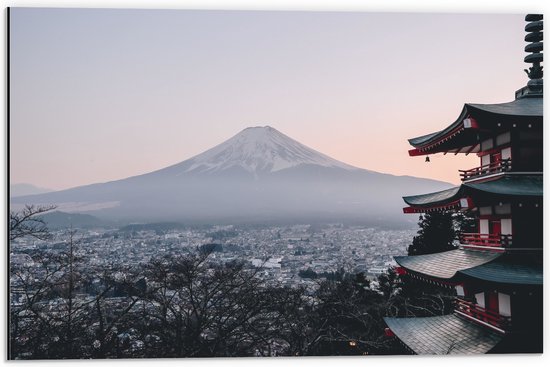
{"points": [[483, 315], [486, 240], [504, 165]]}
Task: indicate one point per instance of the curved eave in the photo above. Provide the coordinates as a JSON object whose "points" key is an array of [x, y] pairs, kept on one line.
{"points": [[456, 134], [530, 109], [445, 265], [462, 135], [440, 335], [520, 185], [450, 199], [424, 140], [433, 198], [507, 185], [506, 272]]}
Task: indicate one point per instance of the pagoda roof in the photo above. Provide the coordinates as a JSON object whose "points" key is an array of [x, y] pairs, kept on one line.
{"points": [[514, 269], [515, 185], [441, 335], [510, 184], [524, 107], [434, 198], [464, 132], [445, 265]]}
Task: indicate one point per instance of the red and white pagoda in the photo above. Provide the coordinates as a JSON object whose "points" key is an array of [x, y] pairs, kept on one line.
{"points": [[497, 270]]}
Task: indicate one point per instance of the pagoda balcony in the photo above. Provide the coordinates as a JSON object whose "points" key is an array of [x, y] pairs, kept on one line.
{"points": [[486, 240], [482, 316], [504, 165]]}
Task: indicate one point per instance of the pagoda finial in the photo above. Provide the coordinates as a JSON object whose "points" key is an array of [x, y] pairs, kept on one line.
{"points": [[534, 27], [534, 36]]}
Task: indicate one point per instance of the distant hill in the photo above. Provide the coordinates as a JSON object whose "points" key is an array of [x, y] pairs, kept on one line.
{"points": [[60, 220], [22, 189], [162, 226], [258, 176]]}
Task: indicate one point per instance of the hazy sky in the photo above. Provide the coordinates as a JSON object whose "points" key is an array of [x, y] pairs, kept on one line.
{"points": [[99, 95]]}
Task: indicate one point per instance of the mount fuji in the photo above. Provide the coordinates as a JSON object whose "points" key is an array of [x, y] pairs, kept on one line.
{"points": [[260, 150], [256, 151], [258, 175]]}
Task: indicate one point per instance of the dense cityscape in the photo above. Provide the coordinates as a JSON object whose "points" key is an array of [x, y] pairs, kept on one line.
{"points": [[282, 252], [265, 290]]}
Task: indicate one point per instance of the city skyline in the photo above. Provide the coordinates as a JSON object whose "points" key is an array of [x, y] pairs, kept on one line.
{"points": [[152, 88]]}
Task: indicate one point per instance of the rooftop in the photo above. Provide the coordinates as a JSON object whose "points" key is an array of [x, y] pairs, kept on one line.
{"points": [[442, 335], [445, 265], [508, 270], [507, 184]]}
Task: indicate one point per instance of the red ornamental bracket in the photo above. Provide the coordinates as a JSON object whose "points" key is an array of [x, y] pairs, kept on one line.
{"points": [[460, 204], [467, 123], [416, 152], [466, 203], [400, 270], [470, 123], [455, 205], [388, 332]]}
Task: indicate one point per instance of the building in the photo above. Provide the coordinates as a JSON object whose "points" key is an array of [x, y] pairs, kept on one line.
{"points": [[496, 271]]}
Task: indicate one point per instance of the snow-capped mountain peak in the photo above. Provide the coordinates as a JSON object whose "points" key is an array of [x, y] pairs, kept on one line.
{"points": [[260, 149]]}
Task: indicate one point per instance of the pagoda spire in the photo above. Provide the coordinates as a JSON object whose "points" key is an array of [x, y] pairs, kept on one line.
{"points": [[534, 36]]}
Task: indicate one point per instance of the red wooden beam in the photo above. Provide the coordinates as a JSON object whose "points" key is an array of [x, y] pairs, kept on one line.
{"points": [[417, 209], [467, 123], [470, 123], [416, 152], [400, 270], [429, 279]]}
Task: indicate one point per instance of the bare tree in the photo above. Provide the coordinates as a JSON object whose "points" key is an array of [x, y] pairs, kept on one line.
{"points": [[28, 222], [51, 316], [349, 317], [198, 308], [46, 308]]}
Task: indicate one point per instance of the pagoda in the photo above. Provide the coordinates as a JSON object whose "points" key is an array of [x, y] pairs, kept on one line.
{"points": [[497, 270]]}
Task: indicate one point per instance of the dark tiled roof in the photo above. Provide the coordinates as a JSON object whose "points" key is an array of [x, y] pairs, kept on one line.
{"points": [[445, 265], [433, 137], [433, 198], [517, 185], [523, 107], [448, 334], [527, 107], [507, 184], [420, 140], [508, 271]]}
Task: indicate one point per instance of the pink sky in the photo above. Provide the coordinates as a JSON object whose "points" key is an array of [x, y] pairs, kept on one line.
{"points": [[100, 95]]}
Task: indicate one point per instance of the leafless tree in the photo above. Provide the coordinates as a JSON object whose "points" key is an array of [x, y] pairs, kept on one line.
{"points": [[47, 307], [27, 222], [349, 317], [199, 308], [53, 317]]}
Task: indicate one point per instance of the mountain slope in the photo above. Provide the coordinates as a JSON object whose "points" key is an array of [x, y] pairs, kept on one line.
{"points": [[259, 174], [256, 150], [23, 189], [57, 219]]}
